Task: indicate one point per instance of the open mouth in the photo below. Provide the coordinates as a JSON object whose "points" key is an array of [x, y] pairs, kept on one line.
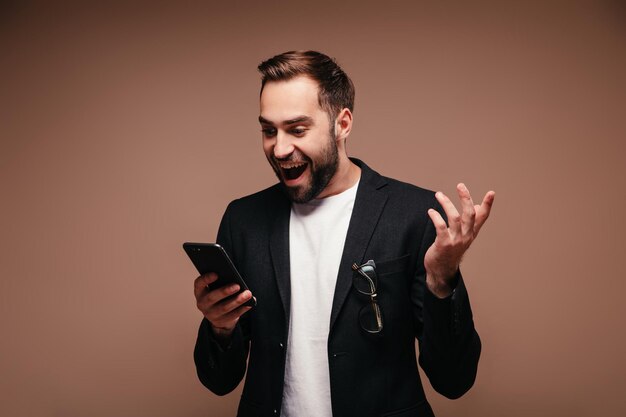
{"points": [[293, 170]]}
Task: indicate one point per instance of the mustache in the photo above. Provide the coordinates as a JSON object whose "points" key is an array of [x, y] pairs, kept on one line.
{"points": [[293, 157]]}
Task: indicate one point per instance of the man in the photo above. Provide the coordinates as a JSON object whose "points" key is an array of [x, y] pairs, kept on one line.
{"points": [[348, 268]]}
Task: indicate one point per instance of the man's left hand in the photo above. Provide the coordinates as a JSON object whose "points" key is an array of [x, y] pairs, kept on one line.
{"points": [[443, 258]]}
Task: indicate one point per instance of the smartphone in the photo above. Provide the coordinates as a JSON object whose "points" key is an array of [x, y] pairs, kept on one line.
{"points": [[211, 257]]}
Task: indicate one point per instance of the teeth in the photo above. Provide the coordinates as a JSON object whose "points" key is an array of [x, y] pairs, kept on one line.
{"points": [[292, 165]]}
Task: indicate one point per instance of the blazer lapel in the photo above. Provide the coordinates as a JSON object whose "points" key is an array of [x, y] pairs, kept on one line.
{"points": [[279, 252], [368, 206]]}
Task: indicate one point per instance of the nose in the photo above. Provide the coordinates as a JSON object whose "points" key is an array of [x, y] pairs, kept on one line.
{"points": [[283, 146]]}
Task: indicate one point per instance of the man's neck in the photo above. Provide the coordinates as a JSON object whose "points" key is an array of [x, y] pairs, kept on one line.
{"points": [[346, 176]]}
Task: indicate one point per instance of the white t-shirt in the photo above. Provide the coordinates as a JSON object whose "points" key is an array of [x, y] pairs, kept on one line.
{"points": [[317, 234]]}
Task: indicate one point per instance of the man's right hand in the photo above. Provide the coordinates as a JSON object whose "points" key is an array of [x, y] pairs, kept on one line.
{"points": [[223, 315]]}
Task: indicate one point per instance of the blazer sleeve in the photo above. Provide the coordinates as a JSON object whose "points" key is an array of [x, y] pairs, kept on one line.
{"points": [[449, 345], [221, 368]]}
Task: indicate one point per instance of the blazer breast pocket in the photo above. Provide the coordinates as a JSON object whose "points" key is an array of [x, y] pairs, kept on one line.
{"points": [[393, 291], [392, 266]]}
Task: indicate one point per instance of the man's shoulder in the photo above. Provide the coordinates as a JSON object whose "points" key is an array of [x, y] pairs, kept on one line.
{"points": [[395, 188], [406, 196], [267, 199], [408, 188]]}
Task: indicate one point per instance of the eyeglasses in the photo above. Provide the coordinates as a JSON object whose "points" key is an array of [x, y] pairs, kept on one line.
{"points": [[370, 317]]}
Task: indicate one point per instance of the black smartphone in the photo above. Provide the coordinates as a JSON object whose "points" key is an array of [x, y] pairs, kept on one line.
{"points": [[211, 257]]}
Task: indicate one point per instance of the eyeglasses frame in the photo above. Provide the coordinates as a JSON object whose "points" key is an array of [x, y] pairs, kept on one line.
{"points": [[373, 294]]}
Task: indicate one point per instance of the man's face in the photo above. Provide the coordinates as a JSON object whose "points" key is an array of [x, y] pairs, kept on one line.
{"points": [[298, 139]]}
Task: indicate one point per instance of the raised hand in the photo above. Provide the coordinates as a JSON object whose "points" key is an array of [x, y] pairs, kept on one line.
{"points": [[444, 256]]}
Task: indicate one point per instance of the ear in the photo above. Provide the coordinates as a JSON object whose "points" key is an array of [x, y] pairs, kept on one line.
{"points": [[343, 124]]}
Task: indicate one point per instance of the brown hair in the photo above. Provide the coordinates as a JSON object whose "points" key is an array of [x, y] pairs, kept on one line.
{"points": [[336, 90]]}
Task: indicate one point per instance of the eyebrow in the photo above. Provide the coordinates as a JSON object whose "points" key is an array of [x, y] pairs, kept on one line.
{"points": [[299, 119]]}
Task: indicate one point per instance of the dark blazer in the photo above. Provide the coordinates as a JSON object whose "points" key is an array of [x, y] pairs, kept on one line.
{"points": [[370, 374]]}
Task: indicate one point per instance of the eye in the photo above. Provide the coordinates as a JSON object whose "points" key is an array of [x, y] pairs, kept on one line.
{"points": [[268, 132], [298, 131]]}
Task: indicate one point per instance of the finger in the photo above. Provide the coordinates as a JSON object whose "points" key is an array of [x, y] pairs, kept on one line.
{"points": [[222, 315], [228, 320], [201, 283], [228, 306], [207, 301], [219, 294], [467, 205], [454, 218], [440, 224], [482, 211]]}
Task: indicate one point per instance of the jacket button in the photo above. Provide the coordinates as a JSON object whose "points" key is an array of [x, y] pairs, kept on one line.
{"points": [[281, 346]]}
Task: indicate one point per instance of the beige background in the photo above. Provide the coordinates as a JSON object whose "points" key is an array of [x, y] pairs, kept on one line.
{"points": [[125, 130]]}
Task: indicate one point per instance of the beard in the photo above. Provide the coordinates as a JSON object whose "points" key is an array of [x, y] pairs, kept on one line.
{"points": [[322, 171]]}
